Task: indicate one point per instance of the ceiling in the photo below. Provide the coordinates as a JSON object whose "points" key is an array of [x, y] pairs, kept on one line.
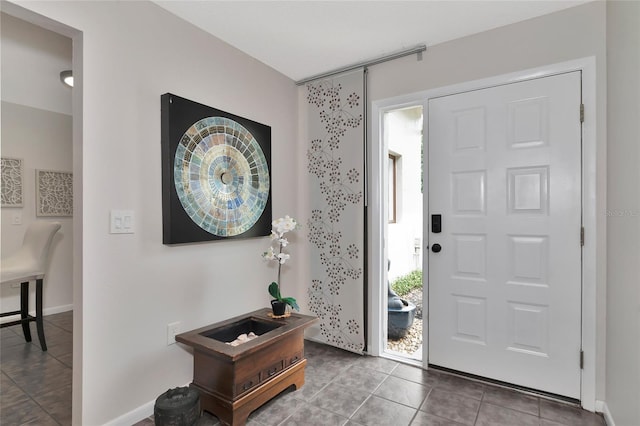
{"points": [[305, 38]]}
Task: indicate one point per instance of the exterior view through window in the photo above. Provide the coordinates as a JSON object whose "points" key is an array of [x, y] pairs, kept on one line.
{"points": [[403, 140]]}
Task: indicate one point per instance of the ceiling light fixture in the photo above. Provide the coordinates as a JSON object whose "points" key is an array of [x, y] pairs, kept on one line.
{"points": [[67, 77]]}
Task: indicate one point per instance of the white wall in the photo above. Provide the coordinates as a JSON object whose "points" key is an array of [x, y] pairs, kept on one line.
{"points": [[573, 33], [32, 59], [36, 127], [42, 139], [623, 212], [132, 285]]}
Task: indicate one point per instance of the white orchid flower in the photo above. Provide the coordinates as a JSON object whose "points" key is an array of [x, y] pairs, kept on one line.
{"points": [[280, 227], [289, 223], [284, 224], [269, 254]]}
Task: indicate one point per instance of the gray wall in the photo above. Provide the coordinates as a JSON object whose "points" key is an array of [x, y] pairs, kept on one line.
{"points": [[623, 212]]}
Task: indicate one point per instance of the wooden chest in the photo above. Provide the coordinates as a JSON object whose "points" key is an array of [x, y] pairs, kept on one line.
{"points": [[235, 380]]}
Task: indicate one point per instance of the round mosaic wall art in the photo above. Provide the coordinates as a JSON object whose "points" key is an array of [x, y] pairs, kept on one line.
{"points": [[221, 176]]}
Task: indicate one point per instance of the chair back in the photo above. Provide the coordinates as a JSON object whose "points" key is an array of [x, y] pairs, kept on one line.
{"points": [[31, 258], [37, 241]]}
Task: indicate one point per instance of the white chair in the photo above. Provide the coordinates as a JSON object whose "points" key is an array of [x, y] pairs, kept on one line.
{"points": [[28, 264]]}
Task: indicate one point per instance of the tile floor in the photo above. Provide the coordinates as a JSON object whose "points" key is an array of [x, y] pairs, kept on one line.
{"points": [[346, 389], [341, 389], [35, 388]]}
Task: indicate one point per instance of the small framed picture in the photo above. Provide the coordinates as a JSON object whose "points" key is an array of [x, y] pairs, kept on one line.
{"points": [[54, 194], [11, 182]]}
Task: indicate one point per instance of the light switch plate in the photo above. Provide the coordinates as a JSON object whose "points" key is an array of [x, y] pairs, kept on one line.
{"points": [[121, 222], [17, 218]]}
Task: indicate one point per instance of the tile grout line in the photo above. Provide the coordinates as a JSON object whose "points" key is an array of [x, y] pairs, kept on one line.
{"points": [[359, 406], [475, 420], [31, 397], [421, 404]]}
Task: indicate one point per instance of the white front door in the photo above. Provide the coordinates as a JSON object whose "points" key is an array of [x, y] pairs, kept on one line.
{"points": [[505, 287]]}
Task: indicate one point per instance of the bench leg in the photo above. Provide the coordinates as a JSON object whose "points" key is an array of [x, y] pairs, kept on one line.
{"points": [[24, 310], [39, 322]]}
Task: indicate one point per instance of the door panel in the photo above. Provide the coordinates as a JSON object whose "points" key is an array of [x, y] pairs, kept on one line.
{"points": [[505, 290]]}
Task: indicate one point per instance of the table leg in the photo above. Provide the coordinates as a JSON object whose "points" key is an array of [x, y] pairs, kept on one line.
{"points": [[39, 322], [24, 310]]}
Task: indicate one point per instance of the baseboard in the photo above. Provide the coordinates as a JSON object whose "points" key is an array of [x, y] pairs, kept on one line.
{"points": [[135, 415], [45, 312], [55, 310], [601, 407]]}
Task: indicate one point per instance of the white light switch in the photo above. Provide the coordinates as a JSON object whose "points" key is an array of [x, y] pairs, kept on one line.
{"points": [[121, 221], [17, 218]]}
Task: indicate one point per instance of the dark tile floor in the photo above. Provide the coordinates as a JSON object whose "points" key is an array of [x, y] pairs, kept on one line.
{"points": [[35, 388], [346, 389], [341, 389]]}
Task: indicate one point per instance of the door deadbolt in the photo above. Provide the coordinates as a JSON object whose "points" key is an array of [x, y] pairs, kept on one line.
{"points": [[436, 223]]}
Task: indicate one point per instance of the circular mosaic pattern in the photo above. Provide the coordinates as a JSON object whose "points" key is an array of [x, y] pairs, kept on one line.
{"points": [[221, 176]]}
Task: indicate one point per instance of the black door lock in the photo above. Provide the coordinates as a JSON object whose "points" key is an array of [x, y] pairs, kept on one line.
{"points": [[436, 248], [436, 223]]}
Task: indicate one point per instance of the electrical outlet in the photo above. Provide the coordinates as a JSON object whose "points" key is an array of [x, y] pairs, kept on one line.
{"points": [[172, 330]]}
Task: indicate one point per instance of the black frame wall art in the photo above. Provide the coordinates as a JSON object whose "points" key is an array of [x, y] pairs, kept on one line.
{"points": [[216, 181]]}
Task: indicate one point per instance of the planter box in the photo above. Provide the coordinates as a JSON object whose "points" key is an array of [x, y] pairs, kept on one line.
{"points": [[235, 380]]}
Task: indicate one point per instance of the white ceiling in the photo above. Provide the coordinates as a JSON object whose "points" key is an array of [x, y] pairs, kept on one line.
{"points": [[305, 38]]}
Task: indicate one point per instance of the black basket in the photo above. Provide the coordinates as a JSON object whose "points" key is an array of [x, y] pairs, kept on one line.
{"points": [[177, 407]]}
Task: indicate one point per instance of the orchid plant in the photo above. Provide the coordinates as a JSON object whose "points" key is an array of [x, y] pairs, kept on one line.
{"points": [[279, 228]]}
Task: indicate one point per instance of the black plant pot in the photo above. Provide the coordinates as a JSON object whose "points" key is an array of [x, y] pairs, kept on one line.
{"points": [[278, 307]]}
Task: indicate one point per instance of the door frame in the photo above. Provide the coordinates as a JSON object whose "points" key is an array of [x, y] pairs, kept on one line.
{"points": [[592, 196], [49, 23], [377, 219]]}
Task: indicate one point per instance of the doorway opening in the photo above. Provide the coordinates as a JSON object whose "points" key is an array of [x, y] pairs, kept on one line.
{"points": [[403, 195], [63, 316]]}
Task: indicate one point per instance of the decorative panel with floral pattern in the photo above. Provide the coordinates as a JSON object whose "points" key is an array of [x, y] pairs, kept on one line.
{"points": [[336, 226]]}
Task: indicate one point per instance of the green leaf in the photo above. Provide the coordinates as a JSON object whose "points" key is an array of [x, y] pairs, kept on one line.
{"points": [[291, 302], [274, 291], [407, 283]]}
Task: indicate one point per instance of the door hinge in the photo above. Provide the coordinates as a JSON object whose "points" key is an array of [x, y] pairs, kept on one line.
{"points": [[581, 360], [582, 113], [582, 236]]}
